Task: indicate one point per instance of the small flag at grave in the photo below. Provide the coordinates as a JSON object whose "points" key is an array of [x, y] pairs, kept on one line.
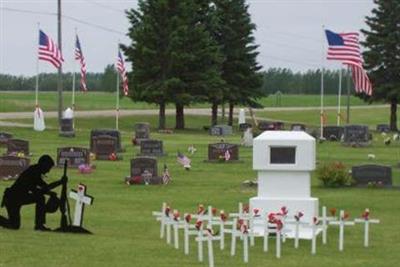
{"points": [[166, 178], [227, 155], [183, 160]]}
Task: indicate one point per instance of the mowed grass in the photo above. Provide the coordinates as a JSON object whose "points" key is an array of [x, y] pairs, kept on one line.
{"points": [[125, 233], [11, 101]]}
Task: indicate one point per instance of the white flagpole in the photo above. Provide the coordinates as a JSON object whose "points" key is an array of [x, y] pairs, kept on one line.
{"points": [[117, 98], [339, 96], [73, 73], [37, 73], [322, 87]]}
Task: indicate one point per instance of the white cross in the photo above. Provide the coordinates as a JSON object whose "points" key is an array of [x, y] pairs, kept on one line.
{"points": [[325, 221], [206, 235], [366, 220], [81, 199], [341, 224], [297, 222], [163, 217], [242, 234]]}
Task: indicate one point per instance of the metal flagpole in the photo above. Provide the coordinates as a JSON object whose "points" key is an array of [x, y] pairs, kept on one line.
{"points": [[37, 73], [117, 96], [339, 96], [73, 73], [348, 95], [322, 88]]}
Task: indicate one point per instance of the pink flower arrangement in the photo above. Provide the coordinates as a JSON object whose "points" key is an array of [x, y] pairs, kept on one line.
{"points": [[298, 216], [256, 212], [167, 211], [188, 218], [176, 215], [198, 224], [85, 168]]}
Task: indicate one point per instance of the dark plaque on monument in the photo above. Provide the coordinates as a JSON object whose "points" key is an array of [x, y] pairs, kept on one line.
{"points": [[298, 127], [104, 146], [74, 155], [142, 132], [152, 148], [114, 133], [244, 126], [145, 165], [371, 174], [15, 146], [356, 134], [333, 133], [216, 152], [383, 128], [67, 128], [11, 166], [4, 137]]}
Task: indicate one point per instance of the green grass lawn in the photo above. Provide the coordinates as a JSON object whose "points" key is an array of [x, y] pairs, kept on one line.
{"points": [[25, 101], [125, 233]]}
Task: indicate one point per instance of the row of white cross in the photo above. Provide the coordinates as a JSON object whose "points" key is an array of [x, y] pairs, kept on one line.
{"points": [[242, 224]]}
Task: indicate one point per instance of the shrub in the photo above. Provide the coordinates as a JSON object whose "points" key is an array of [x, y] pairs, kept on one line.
{"points": [[334, 174]]}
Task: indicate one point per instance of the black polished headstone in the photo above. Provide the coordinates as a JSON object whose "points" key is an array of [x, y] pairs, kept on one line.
{"points": [[11, 166], [15, 146], [67, 128], [217, 151], [365, 175], [383, 128], [74, 155], [142, 132], [140, 165], [111, 132], [333, 133], [104, 146]]}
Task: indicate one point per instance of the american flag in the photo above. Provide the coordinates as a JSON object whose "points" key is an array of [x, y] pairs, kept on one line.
{"points": [[122, 71], [79, 56], [185, 161], [345, 47], [166, 177], [48, 50], [227, 155]]}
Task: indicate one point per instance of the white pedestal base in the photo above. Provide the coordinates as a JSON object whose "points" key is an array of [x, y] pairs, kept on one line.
{"points": [[308, 206]]}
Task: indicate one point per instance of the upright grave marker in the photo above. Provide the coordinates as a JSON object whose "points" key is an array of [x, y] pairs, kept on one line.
{"points": [[111, 132], [151, 148], [218, 151], [104, 146], [284, 161], [144, 170], [383, 128], [221, 130], [142, 132], [333, 133], [74, 155], [4, 137], [67, 127], [372, 175], [12, 166], [356, 135], [16, 146]]}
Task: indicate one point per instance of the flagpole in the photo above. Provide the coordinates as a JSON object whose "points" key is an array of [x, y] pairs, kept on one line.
{"points": [[339, 96], [348, 95], [73, 74], [37, 74], [117, 99], [322, 88]]}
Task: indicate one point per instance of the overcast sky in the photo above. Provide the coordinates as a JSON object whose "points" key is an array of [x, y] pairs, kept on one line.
{"points": [[289, 32]]}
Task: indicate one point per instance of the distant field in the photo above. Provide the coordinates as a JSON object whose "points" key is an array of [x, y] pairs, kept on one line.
{"points": [[25, 101]]}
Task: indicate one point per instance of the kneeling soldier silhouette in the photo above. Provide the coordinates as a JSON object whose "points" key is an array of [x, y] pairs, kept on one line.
{"points": [[30, 188]]}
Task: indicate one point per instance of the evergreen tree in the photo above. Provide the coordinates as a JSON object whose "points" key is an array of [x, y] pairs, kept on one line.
{"points": [[382, 57], [240, 68]]}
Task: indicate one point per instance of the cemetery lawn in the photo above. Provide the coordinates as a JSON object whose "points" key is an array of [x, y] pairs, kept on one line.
{"points": [[12, 101], [125, 233]]}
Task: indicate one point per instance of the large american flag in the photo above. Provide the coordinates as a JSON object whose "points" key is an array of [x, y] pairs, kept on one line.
{"points": [[122, 71], [48, 50], [81, 59], [345, 47]]}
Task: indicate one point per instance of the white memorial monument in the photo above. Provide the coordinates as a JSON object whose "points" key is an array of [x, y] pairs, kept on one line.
{"points": [[284, 161], [242, 116]]}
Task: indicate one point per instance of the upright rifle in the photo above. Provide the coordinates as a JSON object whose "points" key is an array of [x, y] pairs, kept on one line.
{"points": [[64, 207]]}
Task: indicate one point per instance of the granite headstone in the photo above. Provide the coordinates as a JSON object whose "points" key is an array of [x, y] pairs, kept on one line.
{"points": [[11, 166], [372, 174], [75, 156]]}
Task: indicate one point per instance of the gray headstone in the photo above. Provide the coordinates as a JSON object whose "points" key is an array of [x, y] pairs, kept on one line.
{"points": [[11, 166], [15, 146], [217, 151], [152, 148], [111, 132], [298, 127], [4, 137], [75, 156], [221, 130], [142, 132], [356, 134], [365, 175], [141, 165], [67, 128], [248, 137], [103, 146], [383, 128], [270, 125]]}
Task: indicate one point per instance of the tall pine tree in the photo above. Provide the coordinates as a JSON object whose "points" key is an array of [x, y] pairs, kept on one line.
{"points": [[240, 69], [382, 57]]}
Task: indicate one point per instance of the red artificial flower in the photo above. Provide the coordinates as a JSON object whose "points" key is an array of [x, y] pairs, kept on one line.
{"points": [[298, 216], [284, 211], [333, 211], [256, 211], [214, 211], [176, 215], [244, 229], [223, 216], [167, 211], [346, 216], [198, 224], [279, 225], [112, 156], [365, 214], [271, 217], [188, 218], [315, 220], [200, 209], [135, 180], [246, 208]]}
